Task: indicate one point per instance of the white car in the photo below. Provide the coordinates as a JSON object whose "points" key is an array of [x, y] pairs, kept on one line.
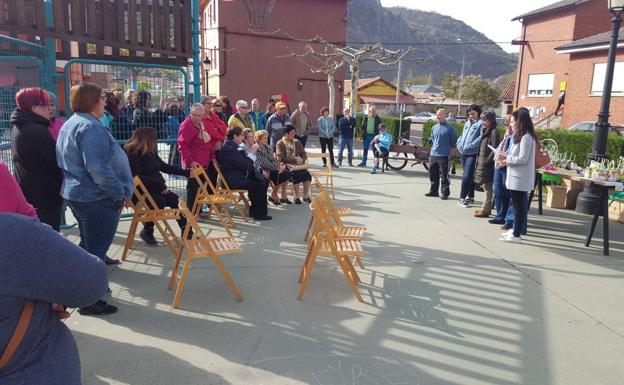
{"points": [[422, 117]]}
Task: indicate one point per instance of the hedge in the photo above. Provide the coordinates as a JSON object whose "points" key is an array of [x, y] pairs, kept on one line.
{"points": [[576, 143], [391, 122]]}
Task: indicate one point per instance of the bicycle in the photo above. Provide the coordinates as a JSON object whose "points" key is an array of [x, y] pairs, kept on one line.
{"points": [[397, 159]]}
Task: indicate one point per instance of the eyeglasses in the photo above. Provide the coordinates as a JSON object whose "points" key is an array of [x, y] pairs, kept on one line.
{"points": [[217, 105]]}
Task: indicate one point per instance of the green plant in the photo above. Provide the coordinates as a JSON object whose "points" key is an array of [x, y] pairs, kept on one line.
{"points": [[578, 144]]}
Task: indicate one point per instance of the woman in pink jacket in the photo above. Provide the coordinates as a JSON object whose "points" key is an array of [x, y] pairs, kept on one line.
{"points": [[195, 149], [12, 199]]}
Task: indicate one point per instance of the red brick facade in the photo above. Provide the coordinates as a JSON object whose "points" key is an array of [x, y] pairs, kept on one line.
{"points": [[544, 33]]}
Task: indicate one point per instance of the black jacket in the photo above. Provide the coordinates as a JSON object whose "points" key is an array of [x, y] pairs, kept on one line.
{"points": [[149, 167], [365, 123], [34, 159], [235, 165]]}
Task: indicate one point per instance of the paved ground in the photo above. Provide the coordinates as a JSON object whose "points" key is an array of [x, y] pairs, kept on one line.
{"points": [[444, 303]]}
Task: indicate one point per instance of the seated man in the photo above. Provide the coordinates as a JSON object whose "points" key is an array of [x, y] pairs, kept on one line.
{"points": [[290, 152], [240, 173], [381, 146]]}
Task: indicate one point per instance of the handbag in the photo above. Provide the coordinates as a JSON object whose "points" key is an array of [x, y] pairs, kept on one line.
{"points": [[541, 155], [18, 334]]}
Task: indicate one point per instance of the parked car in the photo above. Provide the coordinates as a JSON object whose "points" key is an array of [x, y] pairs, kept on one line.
{"points": [[589, 126], [422, 117]]}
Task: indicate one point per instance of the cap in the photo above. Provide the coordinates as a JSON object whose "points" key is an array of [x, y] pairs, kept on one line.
{"points": [[279, 105]]}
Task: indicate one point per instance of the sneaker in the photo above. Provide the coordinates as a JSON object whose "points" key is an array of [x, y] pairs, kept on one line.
{"points": [[307, 200], [510, 238], [297, 201], [98, 308], [505, 227], [431, 194], [285, 200], [361, 165], [482, 214], [496, 221], [470, 200], [148, 239], [464, 203]]}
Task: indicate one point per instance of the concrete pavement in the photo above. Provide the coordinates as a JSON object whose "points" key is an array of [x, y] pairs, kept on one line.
{"points": [[444, 302]]}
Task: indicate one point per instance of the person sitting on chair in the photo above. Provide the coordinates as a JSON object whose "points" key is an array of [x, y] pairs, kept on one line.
{"points": [[290, 151], [147, 165], [381, 146], [278, 173], [240, 173]]}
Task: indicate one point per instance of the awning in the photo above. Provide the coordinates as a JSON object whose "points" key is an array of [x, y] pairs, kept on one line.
{"points": [[379, 99]]}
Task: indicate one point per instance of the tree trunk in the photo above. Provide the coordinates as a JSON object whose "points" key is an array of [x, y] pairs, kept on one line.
{"points": [[332, 95], [355, 79]]}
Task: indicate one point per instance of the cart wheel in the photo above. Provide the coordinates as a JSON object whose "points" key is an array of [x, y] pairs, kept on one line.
{"points": [[397, 164]]}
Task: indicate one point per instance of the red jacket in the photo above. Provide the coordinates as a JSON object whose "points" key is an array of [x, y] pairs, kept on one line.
{"points": [[12, 199], [215, 127], [192, 148]]}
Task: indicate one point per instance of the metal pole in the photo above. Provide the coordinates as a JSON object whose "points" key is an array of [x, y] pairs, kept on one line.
{"points": [[398, 90], [601, 134], [461, 77], [196, 56], [50, 45]]}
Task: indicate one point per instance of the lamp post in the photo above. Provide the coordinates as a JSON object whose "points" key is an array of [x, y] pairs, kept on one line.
{"points": [[589, 199], [461, 77]]}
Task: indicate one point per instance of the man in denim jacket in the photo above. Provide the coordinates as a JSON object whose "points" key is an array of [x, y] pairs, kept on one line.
{"points": [[468, 146]]}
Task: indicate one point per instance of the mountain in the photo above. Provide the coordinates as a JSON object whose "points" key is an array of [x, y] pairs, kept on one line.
{"points": [[434, 36]]}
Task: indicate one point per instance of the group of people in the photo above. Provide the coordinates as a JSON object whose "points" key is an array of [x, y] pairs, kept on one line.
{"points": [[503, 168]]}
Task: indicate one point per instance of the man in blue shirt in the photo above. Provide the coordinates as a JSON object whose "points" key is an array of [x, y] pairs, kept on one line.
{"points": [[468, 145], [381, 146], [443, 140]]}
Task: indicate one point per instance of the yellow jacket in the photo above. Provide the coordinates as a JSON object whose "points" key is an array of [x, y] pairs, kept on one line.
{"points": [[238, 121]]}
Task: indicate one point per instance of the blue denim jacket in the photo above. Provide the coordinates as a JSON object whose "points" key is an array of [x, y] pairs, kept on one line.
{"points": [[470, 139], [94, 165]]}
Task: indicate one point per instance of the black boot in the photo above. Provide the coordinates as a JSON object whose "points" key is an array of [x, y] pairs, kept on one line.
{"points": [[147, 235]]}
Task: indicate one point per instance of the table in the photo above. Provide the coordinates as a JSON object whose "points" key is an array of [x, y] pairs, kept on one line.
{"points": [[540, 188]]}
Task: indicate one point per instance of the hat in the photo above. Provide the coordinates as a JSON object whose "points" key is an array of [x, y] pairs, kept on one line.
{"points": [[279, 105], [381, 127]]}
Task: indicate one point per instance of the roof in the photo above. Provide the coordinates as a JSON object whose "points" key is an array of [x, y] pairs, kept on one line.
{"points": [[591, 43], [420, 89], [365, 82], [509, 91], [387, 99], [549, 8]]}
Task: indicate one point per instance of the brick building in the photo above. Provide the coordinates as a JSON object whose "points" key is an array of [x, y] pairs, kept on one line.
{"points": [[246, 65], [546, 68]]}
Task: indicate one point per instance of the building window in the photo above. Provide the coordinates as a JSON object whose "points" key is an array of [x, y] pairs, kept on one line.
{"points": [[541, 85], [598, 79]]}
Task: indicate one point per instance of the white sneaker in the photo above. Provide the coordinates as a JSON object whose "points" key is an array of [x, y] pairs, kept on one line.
{"points": [[510, 231], [510, 238]]}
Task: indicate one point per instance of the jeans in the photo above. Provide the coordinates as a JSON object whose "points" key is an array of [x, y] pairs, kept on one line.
{"points": [[519, 199], [438, 170], [302, 139], [367, 141], [342, 143], [467, 185], [501, 194], [97, 223], [511, 215], [327, 143]]}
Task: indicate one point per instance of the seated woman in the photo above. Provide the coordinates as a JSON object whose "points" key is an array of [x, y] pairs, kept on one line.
{"points": [[240, 173], [145, 162], [278, 173], [380, 146], [290, 151]]}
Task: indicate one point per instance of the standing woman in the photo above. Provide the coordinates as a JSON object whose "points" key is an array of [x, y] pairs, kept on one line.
{"points": [[484, 170], [326, 130], [468, 146], [55, 122], [195, 148], [97, 178], [34, 155], [520, 163]]}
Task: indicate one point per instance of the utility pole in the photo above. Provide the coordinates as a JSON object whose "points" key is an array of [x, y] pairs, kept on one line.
{"points": [[196, 58], [398, 90], [461, 77]]}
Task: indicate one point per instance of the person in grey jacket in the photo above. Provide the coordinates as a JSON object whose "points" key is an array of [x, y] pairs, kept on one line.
{"points": [[468, 146], [302, 121], [276, 124], [326, 129], [520, 163], [39, 264]]}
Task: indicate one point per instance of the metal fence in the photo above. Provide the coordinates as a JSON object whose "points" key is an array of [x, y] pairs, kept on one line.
{"points": [[22, 64]]}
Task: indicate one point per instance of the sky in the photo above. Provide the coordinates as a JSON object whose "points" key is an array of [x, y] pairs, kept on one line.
{"points": [[490, 17]]}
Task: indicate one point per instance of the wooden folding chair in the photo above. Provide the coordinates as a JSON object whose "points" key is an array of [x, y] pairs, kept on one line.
{"points": [[328, 173], [336, 212], [237, 195], [206, 195], [199, 246], [146, 210], [325, 242]]}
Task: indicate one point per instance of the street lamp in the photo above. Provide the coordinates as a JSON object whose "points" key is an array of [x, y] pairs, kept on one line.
{"points": [[589, 200], [461, 77]]}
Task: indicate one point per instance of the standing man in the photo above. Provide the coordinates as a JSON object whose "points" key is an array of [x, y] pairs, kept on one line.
{"points": [[370, 129], [277, 122], [303, 123], [468, 146], [257, 116], [443, 140], [346, 124]]}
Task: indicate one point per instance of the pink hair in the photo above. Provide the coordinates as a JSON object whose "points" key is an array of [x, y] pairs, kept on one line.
{"points": [[27, 98]]}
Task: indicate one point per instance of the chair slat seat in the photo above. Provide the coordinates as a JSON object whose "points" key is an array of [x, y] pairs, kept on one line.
{"points": [[350, 231]]}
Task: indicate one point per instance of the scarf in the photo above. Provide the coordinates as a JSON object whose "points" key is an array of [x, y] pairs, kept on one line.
{"points": [[290, 147], [202, 132]]}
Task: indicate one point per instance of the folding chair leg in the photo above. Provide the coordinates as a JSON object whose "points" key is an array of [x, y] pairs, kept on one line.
{"points": [[358, 260], [241, 211], [223, 221], [332, 187], [306, 272], [311, 250], [174, 271], [346, 271], [131, 234], [351, 268], [180, 288], [227, 277], [309, 229]]}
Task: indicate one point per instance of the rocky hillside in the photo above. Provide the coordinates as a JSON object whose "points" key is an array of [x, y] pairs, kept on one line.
{"points": [[435, 37]]}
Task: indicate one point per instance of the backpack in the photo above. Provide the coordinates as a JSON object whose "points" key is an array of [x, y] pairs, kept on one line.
{"points": [[541, 155]]}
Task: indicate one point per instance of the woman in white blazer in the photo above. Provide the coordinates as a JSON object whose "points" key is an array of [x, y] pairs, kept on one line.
{"points": [[520, 162]]}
